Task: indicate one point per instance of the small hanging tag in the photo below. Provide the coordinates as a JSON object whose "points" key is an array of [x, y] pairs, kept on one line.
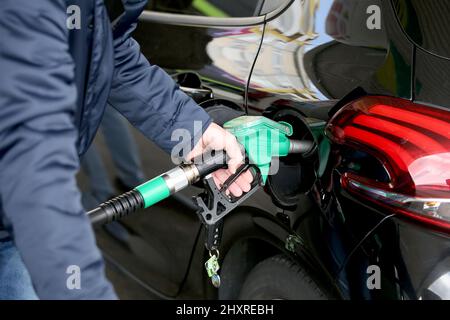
{"points": [[212, 265]]}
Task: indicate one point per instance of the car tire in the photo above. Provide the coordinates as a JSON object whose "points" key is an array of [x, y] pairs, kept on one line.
{"points": [[279, 278]]}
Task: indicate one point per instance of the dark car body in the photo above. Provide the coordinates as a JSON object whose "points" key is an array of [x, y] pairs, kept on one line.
{"points": [[304, 64]]}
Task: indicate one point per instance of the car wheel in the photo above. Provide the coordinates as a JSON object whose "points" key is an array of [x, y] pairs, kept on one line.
{"points": [[280, 278]]}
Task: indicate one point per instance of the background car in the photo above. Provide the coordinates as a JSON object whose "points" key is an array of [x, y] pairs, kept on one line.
{"points": [[367, 216]]}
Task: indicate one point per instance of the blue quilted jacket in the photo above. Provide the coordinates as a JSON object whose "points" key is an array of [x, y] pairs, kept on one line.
{"points": [[55, 80]]}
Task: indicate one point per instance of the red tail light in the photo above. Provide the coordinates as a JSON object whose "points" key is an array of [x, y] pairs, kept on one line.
{"points": [[412, 142]]}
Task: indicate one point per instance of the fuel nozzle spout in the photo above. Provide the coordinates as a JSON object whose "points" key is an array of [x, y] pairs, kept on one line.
{"points": [[300, 146]]}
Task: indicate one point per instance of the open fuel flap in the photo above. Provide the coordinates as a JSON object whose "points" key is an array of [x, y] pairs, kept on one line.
{"points": [[296, 173]]}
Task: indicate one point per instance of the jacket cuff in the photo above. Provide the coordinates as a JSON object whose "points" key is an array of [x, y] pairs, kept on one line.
{"points": [[198, 128], [188, 127]]}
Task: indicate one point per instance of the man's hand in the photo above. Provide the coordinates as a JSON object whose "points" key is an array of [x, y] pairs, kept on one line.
{"points": [[217, 138]]}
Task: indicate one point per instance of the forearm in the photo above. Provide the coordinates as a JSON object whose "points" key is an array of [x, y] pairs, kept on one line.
{"points": [[151, 100]]}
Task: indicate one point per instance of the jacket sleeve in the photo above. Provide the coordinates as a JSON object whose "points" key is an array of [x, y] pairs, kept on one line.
{"points": [[38, 158], [149, 98]]}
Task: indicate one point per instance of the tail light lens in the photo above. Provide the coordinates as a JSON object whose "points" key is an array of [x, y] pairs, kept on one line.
{"points": [[412, 142]]}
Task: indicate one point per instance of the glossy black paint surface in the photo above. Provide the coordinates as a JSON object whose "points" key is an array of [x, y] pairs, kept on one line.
{"points": [[312, 56], [425, 23]]}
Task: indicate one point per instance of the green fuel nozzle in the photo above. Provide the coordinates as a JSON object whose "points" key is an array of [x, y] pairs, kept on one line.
{"points": [[262, 138]]}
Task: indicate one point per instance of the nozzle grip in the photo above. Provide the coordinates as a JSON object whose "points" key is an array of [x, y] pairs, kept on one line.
{"points": [[208, 163]]}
